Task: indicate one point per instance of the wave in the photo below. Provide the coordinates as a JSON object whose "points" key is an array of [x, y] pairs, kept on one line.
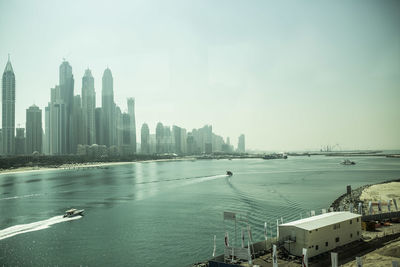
{"points": [[35, 226], [24, 196]]}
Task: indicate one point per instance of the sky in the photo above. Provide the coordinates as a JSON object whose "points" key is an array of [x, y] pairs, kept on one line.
{"points": [[290, 75]]}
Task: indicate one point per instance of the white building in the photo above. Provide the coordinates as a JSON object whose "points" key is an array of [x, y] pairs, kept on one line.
{"points": [[320, 233]]}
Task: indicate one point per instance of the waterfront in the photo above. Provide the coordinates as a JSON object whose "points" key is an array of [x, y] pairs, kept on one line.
{"points": [[164, 213]]}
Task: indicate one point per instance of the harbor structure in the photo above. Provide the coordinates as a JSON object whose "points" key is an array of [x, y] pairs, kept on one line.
{"points": [[321, 233]]}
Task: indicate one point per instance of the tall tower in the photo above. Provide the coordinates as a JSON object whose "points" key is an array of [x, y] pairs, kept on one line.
{"points": [[241, 144], [132, 125], [108, 106], [66, 81], [88, 108], [145, 139], [33, 129], [8, 109]]}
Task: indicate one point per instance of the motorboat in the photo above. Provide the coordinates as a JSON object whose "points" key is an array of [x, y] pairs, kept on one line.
{"points": [[348, 162], [229, 173], [73, 212]]}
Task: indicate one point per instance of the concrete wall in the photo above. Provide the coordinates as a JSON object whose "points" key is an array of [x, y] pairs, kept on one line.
{"points": [[323, 238]]}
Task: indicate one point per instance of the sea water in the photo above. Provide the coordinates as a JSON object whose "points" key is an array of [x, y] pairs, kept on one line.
{"points": [[165, 213]]}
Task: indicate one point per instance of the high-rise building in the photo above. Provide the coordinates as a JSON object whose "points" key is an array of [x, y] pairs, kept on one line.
{"points": [[33, 129], [66, 82], [99, 126], [88, 108], [55, 124], [8, 109], [108, 106], [132, 123], [160, 138], [241, 144], [145, 139], [20, 141], [77, 124]]}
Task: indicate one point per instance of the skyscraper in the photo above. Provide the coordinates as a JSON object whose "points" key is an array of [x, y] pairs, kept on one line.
{"points": [[88, 108], [132, 125], [33, 129], [76, 125], [8, 109], [99, 126], [55, 119], [108, 106], [66, 81], [160, 138], [145, 139], [241, 144], [20, 141]]}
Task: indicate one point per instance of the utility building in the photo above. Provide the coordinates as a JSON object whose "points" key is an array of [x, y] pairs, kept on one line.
{"points": [[320, 233]]}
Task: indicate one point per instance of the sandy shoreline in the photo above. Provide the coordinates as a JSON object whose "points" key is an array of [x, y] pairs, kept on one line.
{"points": [[82, 165]]}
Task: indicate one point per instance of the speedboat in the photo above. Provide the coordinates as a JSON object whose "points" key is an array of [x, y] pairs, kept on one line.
{"points": [[73, 213], [229, 173], [348, 162]]}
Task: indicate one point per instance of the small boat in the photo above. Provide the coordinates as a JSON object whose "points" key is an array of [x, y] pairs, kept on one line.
{"points": [[229, 173], [348, 162], [73, 213]]}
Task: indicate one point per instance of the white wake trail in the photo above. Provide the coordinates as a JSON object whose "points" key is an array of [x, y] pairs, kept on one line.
{"points": [[31, 227]]}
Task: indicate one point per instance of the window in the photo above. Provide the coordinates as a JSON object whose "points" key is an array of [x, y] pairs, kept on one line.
{"points": [[337, 239], [351, 235], [326, 244], [316, 230], [357, 219], [310, 232], [351, 221], [316, 247], [336, 226], [358, 233]]}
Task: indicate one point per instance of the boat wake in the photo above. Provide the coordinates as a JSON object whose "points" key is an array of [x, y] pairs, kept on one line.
{"points": [[31, 227], [24, 196]]}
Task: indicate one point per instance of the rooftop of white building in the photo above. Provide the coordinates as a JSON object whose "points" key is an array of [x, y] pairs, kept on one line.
{"points": [[319, 221]]}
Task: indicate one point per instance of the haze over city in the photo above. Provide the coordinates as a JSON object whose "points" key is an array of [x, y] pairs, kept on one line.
{"points": [[289, 75]]}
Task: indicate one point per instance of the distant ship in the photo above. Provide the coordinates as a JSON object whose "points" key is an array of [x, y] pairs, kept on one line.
{"points": [[348, 162], [275, 156], [229, 173], [73, 213]]}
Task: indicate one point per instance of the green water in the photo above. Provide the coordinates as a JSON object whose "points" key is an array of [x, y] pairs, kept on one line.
{"points": [[164, 213]]}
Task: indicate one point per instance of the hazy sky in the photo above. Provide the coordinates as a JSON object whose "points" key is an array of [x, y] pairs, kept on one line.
{"points": [[290, 75]]}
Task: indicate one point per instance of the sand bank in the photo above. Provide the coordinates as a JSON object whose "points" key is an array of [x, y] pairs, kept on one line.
{"points": [[381, 192]]}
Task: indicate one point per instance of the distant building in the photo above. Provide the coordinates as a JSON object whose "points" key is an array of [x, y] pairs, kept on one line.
{"points": [[241, 144], [88, 108], [132, 123], [55, 124], [8, 109], [99, 126], [66, 83], [321, 233], [108, 106], [159, 138], [145, 139], [34, 130], [77, 124], [20, 142]]}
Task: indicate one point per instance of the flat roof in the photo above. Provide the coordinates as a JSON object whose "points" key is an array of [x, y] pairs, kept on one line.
{"points": [[319, 221]]}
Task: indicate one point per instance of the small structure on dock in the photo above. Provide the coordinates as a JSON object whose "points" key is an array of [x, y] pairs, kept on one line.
{"points": [[320, 233]]}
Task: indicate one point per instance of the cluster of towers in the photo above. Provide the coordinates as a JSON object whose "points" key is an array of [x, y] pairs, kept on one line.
{"points": [[74, 125], [73, 121]]}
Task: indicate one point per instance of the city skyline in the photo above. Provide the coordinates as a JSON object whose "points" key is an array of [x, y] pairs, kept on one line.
{"points": [[288, 84]]}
